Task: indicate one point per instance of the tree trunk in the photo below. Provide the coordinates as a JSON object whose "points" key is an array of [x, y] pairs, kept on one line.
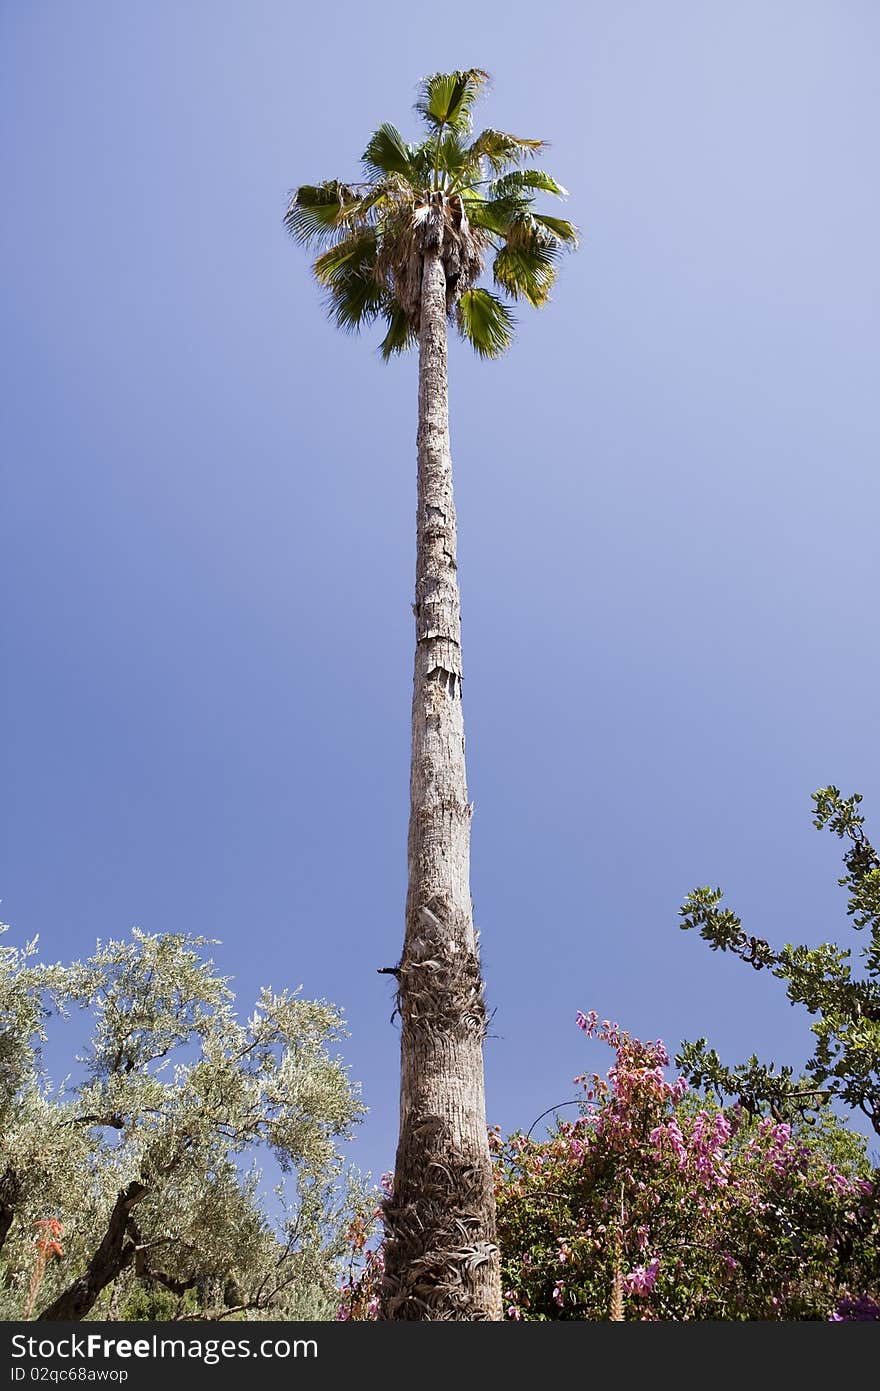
{"points": [[115, 1253], [10, 1192], [441, 1260]]}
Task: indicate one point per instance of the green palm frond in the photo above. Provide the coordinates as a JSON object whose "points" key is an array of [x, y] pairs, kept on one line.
{"points": [[497, 215], [356, 295], [424, 158], [521, 227], [356, 300], [317, 212], [388, 153], [501, 150], [531, 180], [527, 270], [401, 334], [446, 98], [383, 196], [513, 216], [452, 157], [485, 322], [558, 227], [355, 254]]}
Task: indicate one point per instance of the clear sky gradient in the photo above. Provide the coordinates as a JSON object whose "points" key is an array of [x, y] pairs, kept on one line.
{"points": [[668, 503]]}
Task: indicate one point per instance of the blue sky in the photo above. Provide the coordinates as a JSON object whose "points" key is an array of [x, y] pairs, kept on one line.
{"points": [[667, 500]]}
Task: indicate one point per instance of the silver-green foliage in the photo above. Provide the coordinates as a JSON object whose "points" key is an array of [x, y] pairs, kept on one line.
{"points": [[148, 1160]]}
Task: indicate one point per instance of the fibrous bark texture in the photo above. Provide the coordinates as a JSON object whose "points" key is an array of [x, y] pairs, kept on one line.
{"points": [[441, 1259]]}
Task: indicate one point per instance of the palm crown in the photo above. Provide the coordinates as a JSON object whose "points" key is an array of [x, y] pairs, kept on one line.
{"points": [[467, 196]]}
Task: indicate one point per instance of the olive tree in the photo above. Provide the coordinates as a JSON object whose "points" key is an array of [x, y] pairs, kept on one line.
{"points": [[141, 1162]]}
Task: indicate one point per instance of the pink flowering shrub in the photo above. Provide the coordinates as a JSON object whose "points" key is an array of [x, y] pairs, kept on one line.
{"points": [[663, 1205], [862, 1310], [690, 1211]]}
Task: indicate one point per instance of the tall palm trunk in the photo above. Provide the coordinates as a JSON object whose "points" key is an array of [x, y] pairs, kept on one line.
{"points": [[441, 1260]]}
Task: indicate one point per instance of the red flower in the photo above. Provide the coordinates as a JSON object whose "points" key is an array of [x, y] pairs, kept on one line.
{"points": [[49, 1230]]}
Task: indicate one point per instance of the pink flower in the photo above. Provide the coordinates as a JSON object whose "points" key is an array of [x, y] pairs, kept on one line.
{"points": [[559, 1293], [513, 1312], [643, 1278], [861, 1310], [587, 1022], [670, 1134]]}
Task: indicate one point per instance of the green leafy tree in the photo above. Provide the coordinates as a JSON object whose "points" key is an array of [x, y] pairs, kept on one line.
{"points": [[407, 246], [138, 1168], [28, 1151], [844, 1002]]}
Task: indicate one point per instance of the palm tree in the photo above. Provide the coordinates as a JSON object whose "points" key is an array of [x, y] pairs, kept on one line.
{"points": [[407, 246]]}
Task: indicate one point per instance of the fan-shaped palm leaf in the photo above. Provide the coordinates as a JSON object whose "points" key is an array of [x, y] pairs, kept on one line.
{"points": [[401, 334], [496, 215], [501, 150], [317, 212], [357, 301], [356, 296], [527, 270], [446, 98], [388, 153], [520, 180], [452, 158], [485, 322], [557, 227], [356, 252]]}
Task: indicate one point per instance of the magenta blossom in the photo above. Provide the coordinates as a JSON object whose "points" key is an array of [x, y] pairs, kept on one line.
{"points": [[643, 1278], [862, 1310]]}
